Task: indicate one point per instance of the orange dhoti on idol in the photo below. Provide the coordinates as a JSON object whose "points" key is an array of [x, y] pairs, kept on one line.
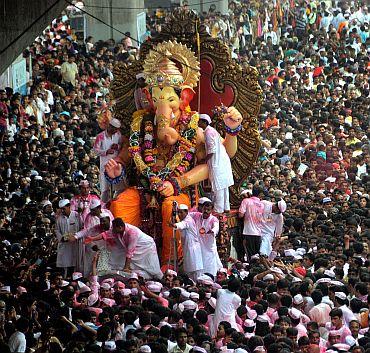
{"points": [[128, 206]]}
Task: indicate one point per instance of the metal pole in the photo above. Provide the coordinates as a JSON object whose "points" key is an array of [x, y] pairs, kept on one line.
{"points": [[111, 17], [174, 213]]}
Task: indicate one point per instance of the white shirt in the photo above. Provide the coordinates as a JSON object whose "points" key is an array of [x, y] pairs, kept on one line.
{"points": [[17, 342], [227, 303], [219, 165], [252, 208], [191, 244], [348, 315], [272, 223], [103, 143]]}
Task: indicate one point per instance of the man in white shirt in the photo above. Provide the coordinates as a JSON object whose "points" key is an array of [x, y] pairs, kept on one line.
{"points": [[219, 165], [17, 341], [251, 210], [227, 303], [69, 72], [272, 34], [193, 263], [107, 146], [272, 224], [341, 302], [69, 222]]}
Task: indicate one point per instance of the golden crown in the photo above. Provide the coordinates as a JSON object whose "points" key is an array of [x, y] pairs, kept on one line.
{"points": [[160, 66]]}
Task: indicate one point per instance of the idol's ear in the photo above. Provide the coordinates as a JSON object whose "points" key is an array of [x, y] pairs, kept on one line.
{"points": [[186, 96], [148, 97]]}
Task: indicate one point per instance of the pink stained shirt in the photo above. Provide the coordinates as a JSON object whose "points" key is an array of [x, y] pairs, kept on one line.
{"points": [[252, 208], [82, 204]]}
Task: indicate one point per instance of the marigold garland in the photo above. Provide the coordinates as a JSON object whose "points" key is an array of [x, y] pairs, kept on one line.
{"points": [[145, 157]]}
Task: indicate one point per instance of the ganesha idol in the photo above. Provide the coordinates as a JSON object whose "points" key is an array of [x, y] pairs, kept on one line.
{"points": [[165, 142]]}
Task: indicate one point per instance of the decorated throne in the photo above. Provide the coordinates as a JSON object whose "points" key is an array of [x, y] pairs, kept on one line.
{"points": [[222, 82]]}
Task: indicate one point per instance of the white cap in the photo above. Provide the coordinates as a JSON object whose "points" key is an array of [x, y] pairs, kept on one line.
{"points": [[84, 183], [268, 277], [110, 281], [212, 302], [340, 295], [205, 117], [198, 349], [282, 206], [194, 295], [155, 287], [296, 280], [298, 299], [183, 207], [203, 278], [92, 299], [290, 252], [134, 276], [109, 302], [294, 313], [326, 200], [271, 151], [249, 323], [145, 349], [105, 286], [84, 289], [115, 122], [189, 305], [140, 75], [109, 346], [95, 203], [329, 273], [63, 203], [104, 214], [202, 200], [171, 272], [246, 192], [251, 314], [5, 289], [125, 292], [301, 251], [76, 275]]}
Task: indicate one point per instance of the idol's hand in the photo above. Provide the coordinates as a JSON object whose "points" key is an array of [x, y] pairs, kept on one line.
{"points": [[166, 189], [113, 169], [232, 118]]}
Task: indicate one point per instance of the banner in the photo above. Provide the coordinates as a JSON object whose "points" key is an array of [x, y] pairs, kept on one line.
{"points": [[141, 27], [19, 76]]}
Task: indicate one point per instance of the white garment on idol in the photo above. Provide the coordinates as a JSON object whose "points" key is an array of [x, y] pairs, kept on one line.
{"points": [[219, 166], [142, 251], [191, 246], [67, 252], [271, 226], [208, 229], [102, 144], [226, 305], [88, 252]]}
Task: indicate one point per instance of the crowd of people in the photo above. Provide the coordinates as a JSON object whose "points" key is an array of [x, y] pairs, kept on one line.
{"points": [[296, 282]]}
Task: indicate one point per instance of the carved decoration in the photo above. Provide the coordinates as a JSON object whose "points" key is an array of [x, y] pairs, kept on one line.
{"points": [[247, 95]]}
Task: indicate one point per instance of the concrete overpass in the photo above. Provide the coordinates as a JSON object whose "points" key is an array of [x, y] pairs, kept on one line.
{"points": [[21, 21]]}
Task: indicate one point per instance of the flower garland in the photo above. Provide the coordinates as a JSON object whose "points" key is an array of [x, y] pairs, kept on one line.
{"points": [[145, 157]]}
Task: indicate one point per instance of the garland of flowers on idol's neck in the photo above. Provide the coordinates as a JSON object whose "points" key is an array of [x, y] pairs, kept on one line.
{"points": [[145, 157]]}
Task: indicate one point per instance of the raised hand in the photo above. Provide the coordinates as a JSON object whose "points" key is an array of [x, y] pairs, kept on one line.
{"points": [[113, 169], [166, 189], [232, 118]]}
